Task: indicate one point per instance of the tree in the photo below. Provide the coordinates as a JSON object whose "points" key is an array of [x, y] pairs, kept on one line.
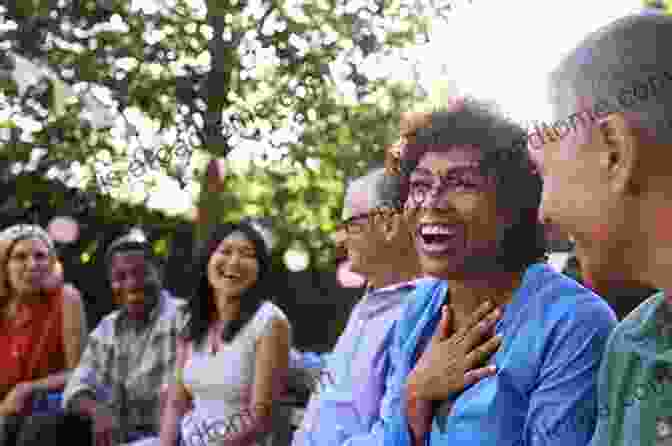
{"points": [[663, 5], [211, 76]]}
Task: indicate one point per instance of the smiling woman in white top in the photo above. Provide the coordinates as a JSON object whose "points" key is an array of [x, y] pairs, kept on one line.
{"points": [[233, 359]]}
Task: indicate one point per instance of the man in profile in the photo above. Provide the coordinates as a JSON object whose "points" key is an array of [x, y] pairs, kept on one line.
{"points": [[608, 183], [345, 407]]}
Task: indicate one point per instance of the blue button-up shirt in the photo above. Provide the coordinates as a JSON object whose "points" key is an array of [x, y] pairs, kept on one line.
{"points": [[554, 332], [348, 400]]}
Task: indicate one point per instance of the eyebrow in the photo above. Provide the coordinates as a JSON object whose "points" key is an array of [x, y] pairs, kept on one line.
{"points": [[422, 171]]}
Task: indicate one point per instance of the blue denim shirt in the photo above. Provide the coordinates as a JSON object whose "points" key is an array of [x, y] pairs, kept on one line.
{"points": [[554, 332]]}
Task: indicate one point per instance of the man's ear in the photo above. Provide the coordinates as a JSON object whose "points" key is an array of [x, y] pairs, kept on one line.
{"points": [[620, 147]]}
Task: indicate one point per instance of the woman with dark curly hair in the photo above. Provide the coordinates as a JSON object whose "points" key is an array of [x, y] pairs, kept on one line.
{"points": [[233, 358], [473, 197]]}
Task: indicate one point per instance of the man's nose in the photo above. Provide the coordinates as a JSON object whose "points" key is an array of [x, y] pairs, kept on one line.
{"points": [[233, 259]]}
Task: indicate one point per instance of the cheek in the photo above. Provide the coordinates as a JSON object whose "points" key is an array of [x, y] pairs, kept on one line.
{"points": [[253, 271], [13, 275], [663, 222]]}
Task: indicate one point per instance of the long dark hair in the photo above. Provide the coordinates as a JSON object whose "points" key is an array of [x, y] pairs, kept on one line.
{"points": [[201, 306]]}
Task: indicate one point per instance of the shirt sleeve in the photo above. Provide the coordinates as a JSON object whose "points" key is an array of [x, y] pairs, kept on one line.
{"points": [[388, 405], [603, 380], [563, 404], [88, 376]]}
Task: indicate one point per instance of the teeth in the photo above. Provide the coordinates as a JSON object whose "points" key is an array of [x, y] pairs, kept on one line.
{"points": [[436, 229]]}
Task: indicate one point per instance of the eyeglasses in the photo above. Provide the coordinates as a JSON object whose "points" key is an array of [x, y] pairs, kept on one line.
{"points": [[466, 180], [357, 223]]}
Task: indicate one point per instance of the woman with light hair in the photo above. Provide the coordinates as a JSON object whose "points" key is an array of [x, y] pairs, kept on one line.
{"points": [[42, 324]]}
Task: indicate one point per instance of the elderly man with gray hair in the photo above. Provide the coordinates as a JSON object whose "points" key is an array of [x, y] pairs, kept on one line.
{"points": [[608, 184], [346, 406]]}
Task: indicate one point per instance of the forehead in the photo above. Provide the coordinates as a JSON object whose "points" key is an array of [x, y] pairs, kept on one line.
{"points": [[127, 260], [30, 244], [358, 203], [237, 238], [453, 157]]}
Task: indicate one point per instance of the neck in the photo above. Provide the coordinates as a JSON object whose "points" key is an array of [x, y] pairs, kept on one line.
{"points": [[467, 295], [8, 307], [389, 278], [650, 255], [226, 306]]}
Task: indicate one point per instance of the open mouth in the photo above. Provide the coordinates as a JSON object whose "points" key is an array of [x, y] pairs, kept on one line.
{"points": [[436, 238], [228, 276]]}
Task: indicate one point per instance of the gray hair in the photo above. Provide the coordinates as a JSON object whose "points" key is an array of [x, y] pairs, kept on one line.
{"points": [[622, 66], [376, 189], [24, 231]]}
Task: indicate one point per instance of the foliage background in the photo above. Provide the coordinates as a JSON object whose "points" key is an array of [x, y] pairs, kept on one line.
{"points": [[209, 77], [129, 93]]}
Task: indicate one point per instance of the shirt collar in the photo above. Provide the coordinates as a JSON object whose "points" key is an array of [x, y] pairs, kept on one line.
{"points": [[647, 319], [381, 299]]}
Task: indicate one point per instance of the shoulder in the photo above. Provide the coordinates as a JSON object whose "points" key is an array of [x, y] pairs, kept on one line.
{"points": [[105, 328], [72, 300], [173, 305], [560, 296], [269, 318], [269, 311], [175, 310]]}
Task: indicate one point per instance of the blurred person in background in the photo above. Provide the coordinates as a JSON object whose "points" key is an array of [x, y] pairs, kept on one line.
{"points": [[607, 182], [42, 324], [346, 405], [132, 351], [234, 353]]}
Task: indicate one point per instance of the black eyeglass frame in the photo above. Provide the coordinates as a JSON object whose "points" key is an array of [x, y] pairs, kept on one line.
{"points": [[382, 210]]}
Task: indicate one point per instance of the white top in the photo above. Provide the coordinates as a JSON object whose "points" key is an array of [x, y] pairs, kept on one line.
{"points": [[217, 381]]}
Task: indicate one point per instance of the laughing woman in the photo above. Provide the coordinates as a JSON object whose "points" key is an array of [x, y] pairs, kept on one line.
{"points": [[474, 197], [42, 325], [232, 363]]}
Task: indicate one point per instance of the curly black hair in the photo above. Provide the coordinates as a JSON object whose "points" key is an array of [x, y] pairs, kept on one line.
{"points": [[504, 159], [201, 306]]}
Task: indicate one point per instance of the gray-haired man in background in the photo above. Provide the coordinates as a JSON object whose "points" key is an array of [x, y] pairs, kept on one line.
{"points": [[348, 405]]}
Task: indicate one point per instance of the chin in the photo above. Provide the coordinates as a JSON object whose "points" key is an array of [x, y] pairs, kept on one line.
{"points": [[355, 265]]}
